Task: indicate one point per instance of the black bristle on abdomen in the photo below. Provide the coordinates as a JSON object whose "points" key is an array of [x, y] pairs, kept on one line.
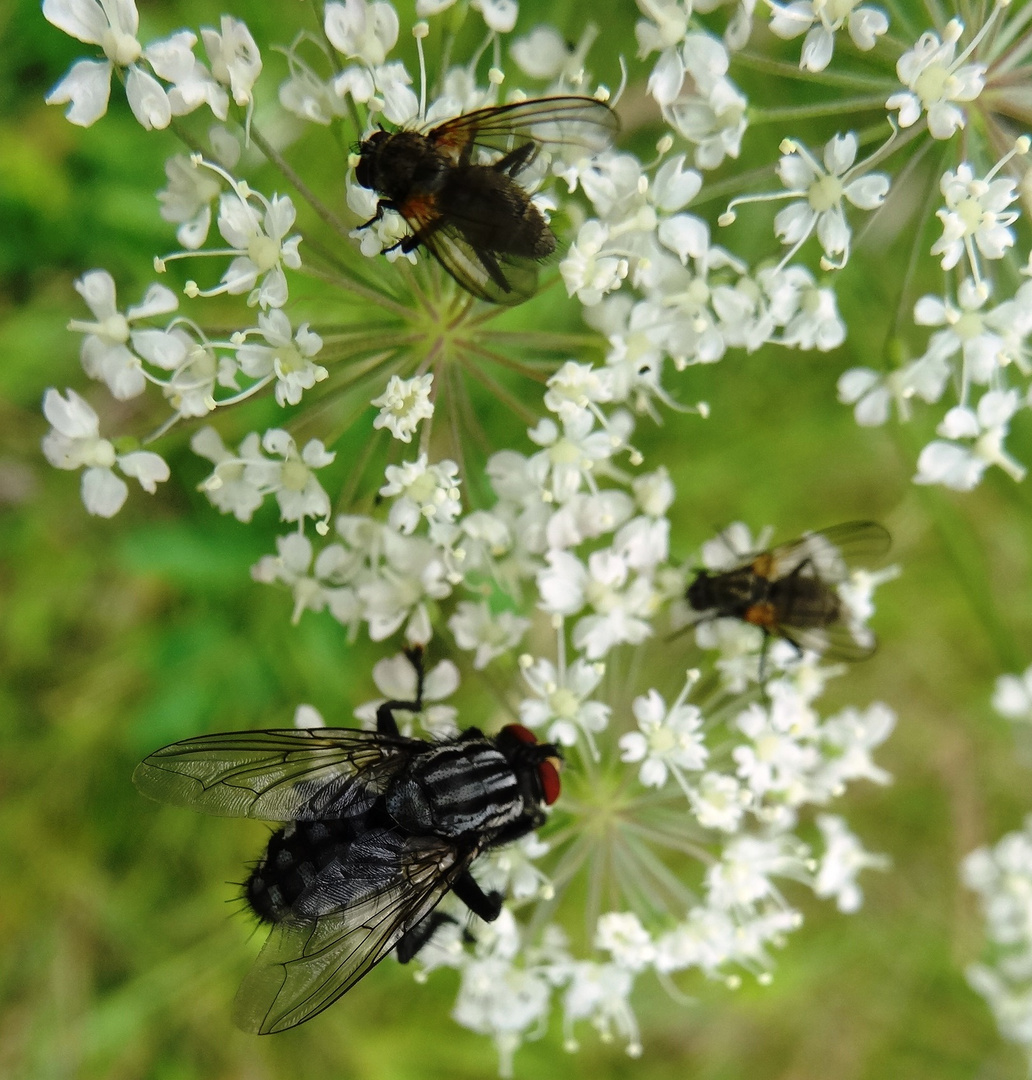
{"points": [[295, 855]]}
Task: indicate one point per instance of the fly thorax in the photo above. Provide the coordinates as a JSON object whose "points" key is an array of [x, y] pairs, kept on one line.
{"points": [[457, 789]]}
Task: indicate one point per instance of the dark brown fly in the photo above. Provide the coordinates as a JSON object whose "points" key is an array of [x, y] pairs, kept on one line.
{"points": [[457, 187], [791, 591]]}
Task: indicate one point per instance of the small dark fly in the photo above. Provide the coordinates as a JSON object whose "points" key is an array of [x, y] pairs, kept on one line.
{"points": [[456, 187], [791, 591], [378, 828]]}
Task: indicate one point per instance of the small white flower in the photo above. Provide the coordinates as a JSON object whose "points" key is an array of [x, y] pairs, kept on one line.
{"points": [[235, 59], [1013, 696], [410, 572], [719, 802], [820, 21], [588, 270], [936, 79], [105, 349], [292, 479], [843, 858], [113, 26], [74, 442], [403, 404], [698, 100], [601, 993], [742, 877], [261, 247], [422, 492], [313, 587], [622, 935], [960, 467], [563, 700], [666, 742], [975, 213], [230, 488], [192, 83], [187, 199], [872, 392], [475, 627], [359, 30], [285, 358], [823, 188]]}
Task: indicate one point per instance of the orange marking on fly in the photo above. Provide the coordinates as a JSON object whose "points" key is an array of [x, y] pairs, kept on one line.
{"points": [[763, 565], [763, 615], [419, 208]]}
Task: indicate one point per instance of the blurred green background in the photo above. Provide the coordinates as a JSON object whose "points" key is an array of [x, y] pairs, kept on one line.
{"points": [[121, 952]]}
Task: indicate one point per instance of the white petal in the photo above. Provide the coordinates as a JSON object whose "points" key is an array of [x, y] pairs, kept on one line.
{"points": [[685, 235], [103, 493], [542, 54], [150, 469], [82, 19], [868, 192], [158, 300], [840, 153], [794, 222], [73, 418], [148, 100], [666, 79], [792, 20], [950, 465], [866, 25], [817, 49], [832, 231], [500, 15], [87, 86]]}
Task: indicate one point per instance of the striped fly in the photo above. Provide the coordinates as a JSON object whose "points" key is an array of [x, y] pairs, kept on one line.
{"points": [[376, 829]]}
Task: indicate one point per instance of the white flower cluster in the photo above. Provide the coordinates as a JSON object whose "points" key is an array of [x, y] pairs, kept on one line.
{"points": [[1001, 875], [556, 569], [1002, 878]]}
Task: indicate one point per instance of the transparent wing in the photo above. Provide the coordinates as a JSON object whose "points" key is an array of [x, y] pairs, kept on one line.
{"points": [[578, 123], [307, 964], [839, 640], [289, 775], [487, 274], [830, 553]]}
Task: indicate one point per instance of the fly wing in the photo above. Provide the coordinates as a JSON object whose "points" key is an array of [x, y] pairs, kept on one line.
{"points": [[828, 554], [583, 125], [487, 274], [290, 775], [840, 640], [307, 963]]}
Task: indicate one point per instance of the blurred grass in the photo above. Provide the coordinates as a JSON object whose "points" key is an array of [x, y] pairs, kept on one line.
{"points": [[120, 954]]}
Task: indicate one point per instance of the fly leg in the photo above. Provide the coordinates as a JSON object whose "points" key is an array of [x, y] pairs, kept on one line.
{"points": [[385, 722], [488, 906], [417, 936], [516, 160], [383, 204]]}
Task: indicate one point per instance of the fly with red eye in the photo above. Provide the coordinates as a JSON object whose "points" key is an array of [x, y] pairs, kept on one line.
{"points": [[457, 187], [376, 829]]}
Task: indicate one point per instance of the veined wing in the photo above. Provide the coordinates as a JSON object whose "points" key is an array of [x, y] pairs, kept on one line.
{"points": [[487, 274], [557, 123], [289, 775], [829, 554], [307, 964]]}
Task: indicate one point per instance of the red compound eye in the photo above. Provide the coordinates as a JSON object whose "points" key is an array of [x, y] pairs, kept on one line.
{"points": [[548, 771]]}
